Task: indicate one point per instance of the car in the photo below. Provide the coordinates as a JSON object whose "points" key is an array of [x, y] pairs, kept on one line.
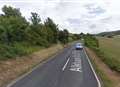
{"points": [[79, 46]]}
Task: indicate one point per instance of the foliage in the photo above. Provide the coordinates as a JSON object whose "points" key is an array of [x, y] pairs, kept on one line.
{"points": [[52, 30], [9, 11], [16, 30], [35, 19], [107, 50], [63, 36], [91, 41]]}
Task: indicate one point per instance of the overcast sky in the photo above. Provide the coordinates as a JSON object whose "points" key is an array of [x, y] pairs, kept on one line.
{"points": [[88, 16]]}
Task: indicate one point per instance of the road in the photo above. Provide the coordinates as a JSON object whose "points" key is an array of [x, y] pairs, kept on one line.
{"points": [[69, 68]]}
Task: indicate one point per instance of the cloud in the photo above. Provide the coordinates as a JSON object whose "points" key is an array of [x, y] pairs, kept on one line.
{"points": [[93, 9], [74, 21], [92, 26], [91, 16]]}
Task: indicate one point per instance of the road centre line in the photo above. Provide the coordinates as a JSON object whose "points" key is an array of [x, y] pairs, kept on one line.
{"points": [[65, 64]]}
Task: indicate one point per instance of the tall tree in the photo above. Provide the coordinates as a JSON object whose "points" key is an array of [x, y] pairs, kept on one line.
{"points": [[10, 11], [63, 36], [52, 30], [12, 25], [35, 18], [37, 32], [66, 35]]}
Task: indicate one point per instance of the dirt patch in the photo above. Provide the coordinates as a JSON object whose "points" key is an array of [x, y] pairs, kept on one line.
{"points": [[112, 75], [11, 69]]}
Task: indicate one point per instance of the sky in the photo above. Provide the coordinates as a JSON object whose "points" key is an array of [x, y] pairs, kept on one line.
{"points": [[88, 16]]}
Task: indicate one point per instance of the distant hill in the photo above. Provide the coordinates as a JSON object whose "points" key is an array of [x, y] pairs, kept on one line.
{"points": [[110, 33]]}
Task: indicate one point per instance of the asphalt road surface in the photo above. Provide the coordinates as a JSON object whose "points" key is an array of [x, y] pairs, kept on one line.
{"points": [[69, 68]]}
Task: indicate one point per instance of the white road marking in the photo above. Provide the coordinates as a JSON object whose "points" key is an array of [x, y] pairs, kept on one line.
{"points": [[65, 64], [76, 64], [98, 81], [76, 69]]}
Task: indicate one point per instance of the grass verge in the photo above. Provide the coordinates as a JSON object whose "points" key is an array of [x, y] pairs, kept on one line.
{"points": [[108, 77], [12, 68]]}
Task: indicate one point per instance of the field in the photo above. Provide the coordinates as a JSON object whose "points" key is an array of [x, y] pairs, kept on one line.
{"points": [[109, 53], [111, 49], [108, 78]]}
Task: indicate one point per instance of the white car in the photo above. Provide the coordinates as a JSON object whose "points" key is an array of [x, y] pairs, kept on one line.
{"points": [[79, 46]]}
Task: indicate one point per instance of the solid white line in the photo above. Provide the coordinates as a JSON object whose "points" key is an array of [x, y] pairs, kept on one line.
{"points": [[65, 64], [98, 81]]}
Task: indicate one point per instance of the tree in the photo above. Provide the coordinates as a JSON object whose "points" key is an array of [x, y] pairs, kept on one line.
{"points": [[37, 33], [35, 18], [10, 11], [63, 36], [91, 41], [12, 25], [52, 30], [66, 35], [16, 32]]}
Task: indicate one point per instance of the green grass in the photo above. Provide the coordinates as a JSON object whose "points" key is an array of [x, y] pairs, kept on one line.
{"points": [[110, 50], [16, 49], [105, 81]]}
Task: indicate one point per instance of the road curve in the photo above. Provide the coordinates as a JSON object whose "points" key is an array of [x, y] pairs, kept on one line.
{"points": [[70, 68]]}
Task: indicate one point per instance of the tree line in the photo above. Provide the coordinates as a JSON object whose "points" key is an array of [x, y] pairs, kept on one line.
{"points": [[16, 32]]}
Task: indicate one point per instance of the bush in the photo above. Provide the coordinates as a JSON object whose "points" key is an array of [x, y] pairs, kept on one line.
{"points": [[10, 51], [17, 49], [91, 41]]}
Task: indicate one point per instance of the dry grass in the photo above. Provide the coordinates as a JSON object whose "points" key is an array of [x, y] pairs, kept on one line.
{"points": [[111, 47], [11, 69], [110, 78]]}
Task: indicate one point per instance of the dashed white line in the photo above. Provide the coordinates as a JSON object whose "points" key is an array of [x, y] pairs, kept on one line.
{"points": [[65, 64]]}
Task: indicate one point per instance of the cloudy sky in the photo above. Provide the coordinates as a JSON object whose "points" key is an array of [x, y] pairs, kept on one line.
{"points": [[88, 16]]}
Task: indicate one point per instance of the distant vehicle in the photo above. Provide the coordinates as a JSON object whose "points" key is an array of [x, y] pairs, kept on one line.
{"points": [[79, 46]]}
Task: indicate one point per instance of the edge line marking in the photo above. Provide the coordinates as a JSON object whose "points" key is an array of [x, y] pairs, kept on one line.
{"points": [[98, 81]]}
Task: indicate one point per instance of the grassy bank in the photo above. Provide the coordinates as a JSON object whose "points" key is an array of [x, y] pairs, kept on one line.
{"points": [[108, 78], [12, 68], [109, 50], [104, 54]]}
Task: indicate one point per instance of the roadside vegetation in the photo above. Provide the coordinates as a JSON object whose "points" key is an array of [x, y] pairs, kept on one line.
{"points": [[11, 69], [107, 50], [110, 49], [27, 43], [20, 37], [91, 41], [108, 77]]}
